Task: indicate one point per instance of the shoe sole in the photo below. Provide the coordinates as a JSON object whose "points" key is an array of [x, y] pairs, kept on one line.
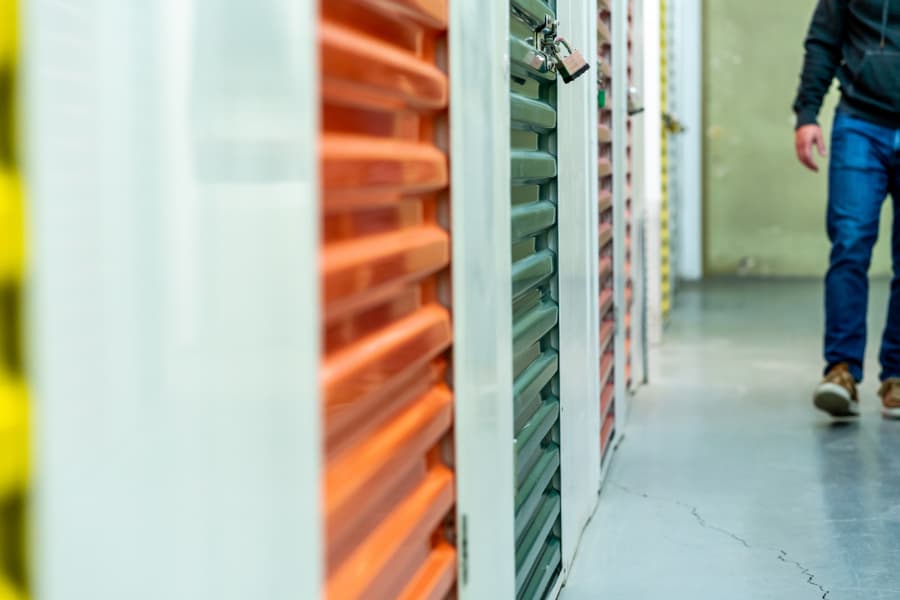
{"points": [[890, 413], [836, 401]]}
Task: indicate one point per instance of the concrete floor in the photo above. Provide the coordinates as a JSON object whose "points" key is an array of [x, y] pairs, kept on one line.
{"points": [[728, 484]]}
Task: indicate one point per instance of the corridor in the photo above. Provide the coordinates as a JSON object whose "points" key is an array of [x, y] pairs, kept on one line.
{"points": [[727, 483]]}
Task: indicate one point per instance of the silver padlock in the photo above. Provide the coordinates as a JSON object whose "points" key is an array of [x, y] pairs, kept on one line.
{"points": [[573, 66]]}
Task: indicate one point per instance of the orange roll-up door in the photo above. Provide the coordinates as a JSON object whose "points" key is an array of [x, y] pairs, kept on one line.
{"points": [[389, 481], [607, 226]]}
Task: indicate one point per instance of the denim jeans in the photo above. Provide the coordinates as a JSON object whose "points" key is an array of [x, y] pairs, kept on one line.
{"points": [[864, 169]]}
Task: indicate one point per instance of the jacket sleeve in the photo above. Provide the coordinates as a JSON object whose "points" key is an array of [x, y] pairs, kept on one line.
{"points": [[824, 47]]}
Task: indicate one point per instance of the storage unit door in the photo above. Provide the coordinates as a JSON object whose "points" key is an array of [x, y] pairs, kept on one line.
{"points": [[606, 228], [389, 484], [535, 309]]}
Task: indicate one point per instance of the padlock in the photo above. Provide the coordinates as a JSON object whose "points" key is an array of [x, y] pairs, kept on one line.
{"points": [[571, 67]]}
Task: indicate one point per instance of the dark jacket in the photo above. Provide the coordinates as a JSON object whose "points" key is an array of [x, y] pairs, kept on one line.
{"points": [[859, 41]]}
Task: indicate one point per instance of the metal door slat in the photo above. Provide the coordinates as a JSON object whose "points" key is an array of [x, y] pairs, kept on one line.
{"points": [[525, 59], [535, 538], [530, 114], [531, 167], [535, 377], [604, 235], [435, 579], [534, 325], [364, 265], [531, 271], [529, 219], [533, 433], [605, 268], [357, 163], [522, 359], [353, 373], [363, 68], [606, 336], [533, 11], [430, 13], [367, 571], [533, 488], [606, 301], [604, 201], [546, 566], [354, 479]]}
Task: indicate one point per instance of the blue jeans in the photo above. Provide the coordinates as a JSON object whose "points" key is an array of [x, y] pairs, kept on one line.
{"points": [[864, 169]]}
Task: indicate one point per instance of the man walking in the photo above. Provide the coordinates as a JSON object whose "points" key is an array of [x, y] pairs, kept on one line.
{"points": [[859, 42]]}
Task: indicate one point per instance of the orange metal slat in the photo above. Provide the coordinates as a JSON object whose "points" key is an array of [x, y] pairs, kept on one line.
{"points": [[606, 367], [606, 432], [359, 69], [354, 163], [604, 200], [606, 334], [606, 400], [435, 579], [412, 522], [361, 369], [605, 268], [604, 167], [604, 234], [366, 264], [368, 481], [431, 13], [606, 301], [379, 460]]}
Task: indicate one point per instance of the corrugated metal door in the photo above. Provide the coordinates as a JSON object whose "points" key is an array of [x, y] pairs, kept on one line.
{"points": [[13, 399], [389, 483], [629, 212], [605, 234], [535, 307], [668, 208]]}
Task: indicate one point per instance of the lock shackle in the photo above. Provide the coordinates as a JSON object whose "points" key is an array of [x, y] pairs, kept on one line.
{"points": [[561, 40]]}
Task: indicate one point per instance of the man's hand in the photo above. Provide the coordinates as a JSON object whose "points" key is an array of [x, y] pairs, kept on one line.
{"points": [[804, 139]]}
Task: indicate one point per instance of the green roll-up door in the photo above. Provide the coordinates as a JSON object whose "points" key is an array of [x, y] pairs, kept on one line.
{"points": [[535, 308]]}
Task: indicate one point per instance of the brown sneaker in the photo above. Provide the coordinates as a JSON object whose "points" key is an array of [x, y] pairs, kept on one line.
{"points": [[890, 398], [837, 395]]}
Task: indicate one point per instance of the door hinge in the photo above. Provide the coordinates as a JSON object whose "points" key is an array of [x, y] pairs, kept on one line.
{"points": [[464, 550]]}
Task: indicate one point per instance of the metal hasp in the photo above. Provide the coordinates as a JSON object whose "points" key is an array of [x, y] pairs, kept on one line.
{"points": [[545, 55], [535, 295]]}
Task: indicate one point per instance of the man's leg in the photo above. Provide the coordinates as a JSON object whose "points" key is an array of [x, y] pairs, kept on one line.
{"points": [[857, 186], [890, 343]]}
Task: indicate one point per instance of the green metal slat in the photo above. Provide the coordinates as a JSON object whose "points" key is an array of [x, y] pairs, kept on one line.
{"points": [[522, 249], [527, 60], [535, 486], [532, 167], [543, 575], [528, 219], [530, 114], [525, 410], [534, 378], [535, 538], [534, 325], [529, 439], [531, 271], [533, 10], [523, 360], [526, 303]]}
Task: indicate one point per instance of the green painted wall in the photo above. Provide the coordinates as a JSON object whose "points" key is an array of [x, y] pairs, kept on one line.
{"points": [[764, 213]]}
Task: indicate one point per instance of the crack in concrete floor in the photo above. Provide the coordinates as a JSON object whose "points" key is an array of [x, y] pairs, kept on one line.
{"points": [[782, 556]]}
